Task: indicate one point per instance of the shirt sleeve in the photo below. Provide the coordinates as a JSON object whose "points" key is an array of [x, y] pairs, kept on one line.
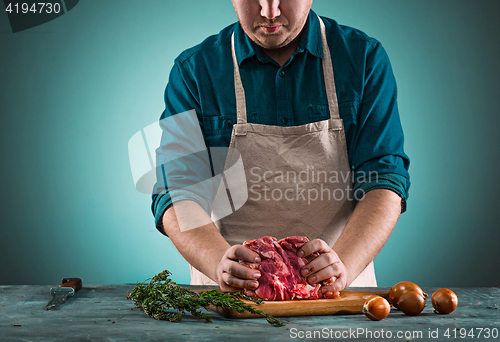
{"points": [[182, 160], [376, 150]]}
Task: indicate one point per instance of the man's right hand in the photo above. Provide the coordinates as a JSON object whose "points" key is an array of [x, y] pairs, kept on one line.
{"points": [[233, 276]]}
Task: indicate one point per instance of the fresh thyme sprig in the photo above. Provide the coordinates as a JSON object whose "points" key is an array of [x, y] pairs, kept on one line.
{"points": [[162, 294]]}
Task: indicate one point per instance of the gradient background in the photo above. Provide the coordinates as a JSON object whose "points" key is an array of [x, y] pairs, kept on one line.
{"points": [[75, 90]]}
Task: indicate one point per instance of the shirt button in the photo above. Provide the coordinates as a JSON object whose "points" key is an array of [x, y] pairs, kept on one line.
{"points": [[284, 121], [228, 123], [282, 73]]}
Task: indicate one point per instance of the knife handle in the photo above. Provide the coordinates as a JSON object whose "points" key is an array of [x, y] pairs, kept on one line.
{"points": [[75, 283]]}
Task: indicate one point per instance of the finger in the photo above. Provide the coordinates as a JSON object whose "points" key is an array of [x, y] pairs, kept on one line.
{"points": [[236, 282], [328, 281], [331, 294], [316, 245], [339, 284], [324, 260], [323, 274], [225, 287], [240, 252], [240, 271]]}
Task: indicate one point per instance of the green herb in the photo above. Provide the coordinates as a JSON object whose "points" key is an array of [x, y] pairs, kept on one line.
{"points": [[162, 294]]}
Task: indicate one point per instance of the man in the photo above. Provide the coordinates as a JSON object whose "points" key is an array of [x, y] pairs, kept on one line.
{"points": [[280, 86]]}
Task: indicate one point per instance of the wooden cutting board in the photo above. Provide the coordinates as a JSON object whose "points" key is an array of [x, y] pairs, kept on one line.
{"points": [[350, 302]]}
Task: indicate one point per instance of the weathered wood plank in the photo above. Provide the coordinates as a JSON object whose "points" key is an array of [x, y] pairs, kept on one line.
{"points": [[102, 313]]}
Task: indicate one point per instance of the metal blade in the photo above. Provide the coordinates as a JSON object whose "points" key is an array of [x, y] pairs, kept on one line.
{"points": [[59, 296]]}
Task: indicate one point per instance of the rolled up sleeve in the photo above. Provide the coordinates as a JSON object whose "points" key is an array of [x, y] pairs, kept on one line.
{"points": [[182, 161], [376, 151]]}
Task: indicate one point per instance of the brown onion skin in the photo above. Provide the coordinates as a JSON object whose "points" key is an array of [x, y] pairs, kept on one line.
{"points": [[402, 287], [411, 303], [444, 301], [376, 308]]}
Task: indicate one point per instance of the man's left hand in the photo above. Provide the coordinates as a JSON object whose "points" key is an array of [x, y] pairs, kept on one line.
{"points": [[323, 267]]}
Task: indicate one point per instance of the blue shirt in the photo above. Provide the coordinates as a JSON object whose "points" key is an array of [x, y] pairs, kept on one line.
{"points": [[294, 94]]}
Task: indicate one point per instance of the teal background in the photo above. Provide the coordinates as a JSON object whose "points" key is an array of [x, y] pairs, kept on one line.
{"points": [[75, 90]]}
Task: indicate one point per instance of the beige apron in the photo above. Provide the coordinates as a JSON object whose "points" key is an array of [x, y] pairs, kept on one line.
{"points": [[298, 178]]}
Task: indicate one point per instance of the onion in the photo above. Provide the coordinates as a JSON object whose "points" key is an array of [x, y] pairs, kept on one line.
{"points": [[444, 301], [411, 303], [402, 287], [376, 308]]}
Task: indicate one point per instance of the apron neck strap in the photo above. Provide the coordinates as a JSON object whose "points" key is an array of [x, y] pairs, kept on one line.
{"points": [[331, 94], [241, 106]]}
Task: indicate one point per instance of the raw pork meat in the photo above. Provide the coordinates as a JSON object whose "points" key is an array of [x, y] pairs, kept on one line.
{"points": [[279, 267]]}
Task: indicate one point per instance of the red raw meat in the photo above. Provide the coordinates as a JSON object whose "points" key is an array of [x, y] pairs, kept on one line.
{"points": [[280, 269]]}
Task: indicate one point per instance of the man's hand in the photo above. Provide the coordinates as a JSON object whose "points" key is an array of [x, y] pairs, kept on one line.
{"points": [[323, 267], [232, 275]]}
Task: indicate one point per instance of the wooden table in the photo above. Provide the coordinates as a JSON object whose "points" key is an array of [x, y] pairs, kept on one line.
{"points": [[102, 313]]}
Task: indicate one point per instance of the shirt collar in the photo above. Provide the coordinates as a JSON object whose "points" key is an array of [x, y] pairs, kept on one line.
{"points": [[310, 40], [311, 37]]}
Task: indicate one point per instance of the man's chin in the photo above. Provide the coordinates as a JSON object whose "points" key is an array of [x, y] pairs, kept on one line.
{"points": [[274, 41]]}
